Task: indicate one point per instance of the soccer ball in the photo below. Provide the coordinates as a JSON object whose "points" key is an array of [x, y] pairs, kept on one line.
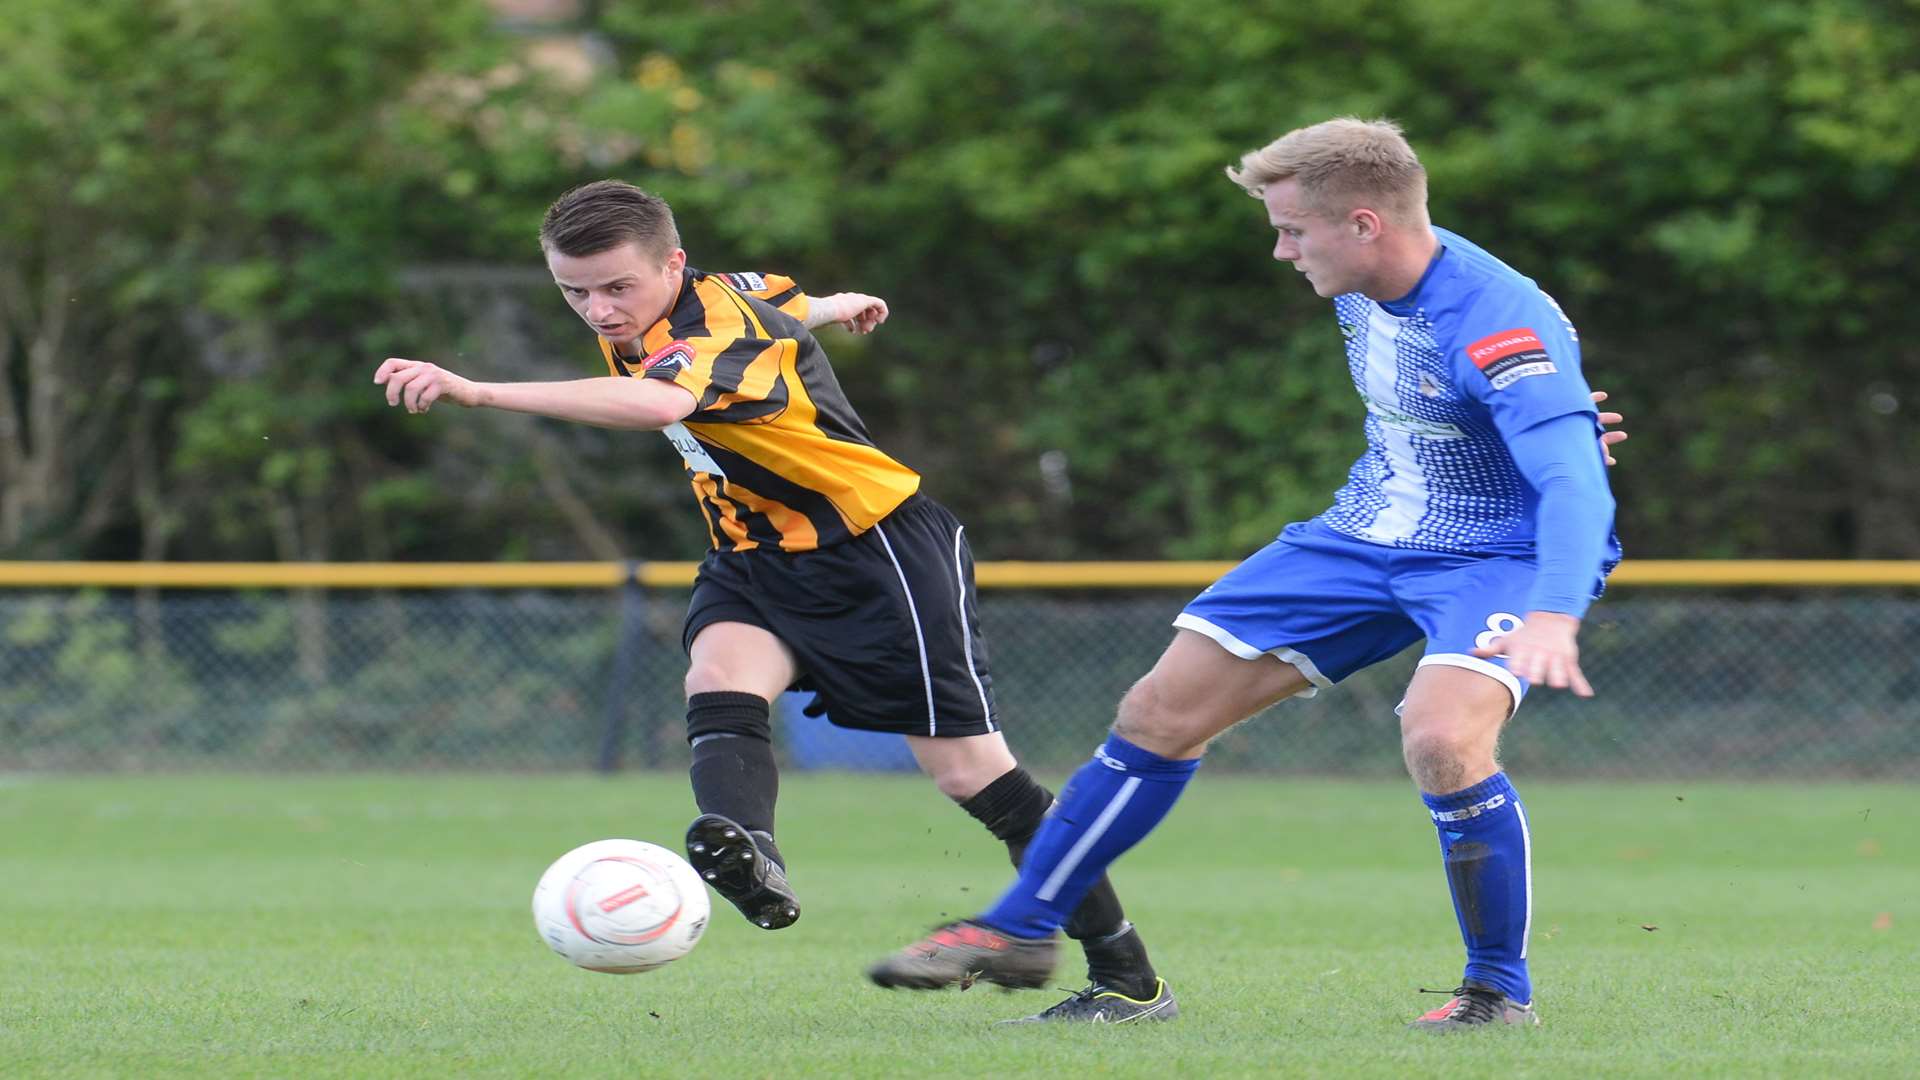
{"points": [[620, 906]]}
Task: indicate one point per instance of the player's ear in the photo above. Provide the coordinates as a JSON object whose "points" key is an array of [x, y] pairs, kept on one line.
{"points": [[676, 260], [1365, 225]]}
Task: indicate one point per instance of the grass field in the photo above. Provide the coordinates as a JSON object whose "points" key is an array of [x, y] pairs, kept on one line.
{"points": [[377, 926]]}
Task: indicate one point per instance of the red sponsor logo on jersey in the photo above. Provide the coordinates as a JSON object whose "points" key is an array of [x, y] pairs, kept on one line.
{"points": [[1496, 347], [674, 356]]}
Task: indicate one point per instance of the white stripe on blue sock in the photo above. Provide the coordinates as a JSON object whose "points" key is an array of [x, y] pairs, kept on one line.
{"points": [[1051, 887]]}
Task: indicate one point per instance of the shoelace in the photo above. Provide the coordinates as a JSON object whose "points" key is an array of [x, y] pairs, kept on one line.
{"points": [[1476, 1005], [1079, 998]]}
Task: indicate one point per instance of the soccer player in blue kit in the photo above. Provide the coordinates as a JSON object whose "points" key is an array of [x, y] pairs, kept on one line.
{"points": [[1479, 518]]}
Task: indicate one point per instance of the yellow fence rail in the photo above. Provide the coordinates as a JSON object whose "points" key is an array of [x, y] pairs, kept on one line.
{"points": [[1694, 573]]}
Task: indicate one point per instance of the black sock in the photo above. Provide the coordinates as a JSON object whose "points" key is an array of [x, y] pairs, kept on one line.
{"points": [[1119, 962], [1012, 808], [734, 774]]}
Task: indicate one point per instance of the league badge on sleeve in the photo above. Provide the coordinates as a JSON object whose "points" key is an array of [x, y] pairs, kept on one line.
{"points": [[1509, 356], [672, 357]]}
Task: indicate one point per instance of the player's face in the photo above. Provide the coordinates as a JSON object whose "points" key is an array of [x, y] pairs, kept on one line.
{"points": [[621, 291], [1326, 250]]}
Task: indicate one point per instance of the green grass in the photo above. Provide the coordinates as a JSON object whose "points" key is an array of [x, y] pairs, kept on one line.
{"points": [[360, 926]]}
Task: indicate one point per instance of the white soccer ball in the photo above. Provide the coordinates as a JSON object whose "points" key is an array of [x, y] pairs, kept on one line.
{"points": [[620, 906]]}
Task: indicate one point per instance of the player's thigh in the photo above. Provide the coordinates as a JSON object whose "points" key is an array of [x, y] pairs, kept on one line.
{"points": [[1321, 602], [1198, 689], [1457, 703], [887, 627], [1450, 725], [739, 657], [1462, 604], [962, 767]]}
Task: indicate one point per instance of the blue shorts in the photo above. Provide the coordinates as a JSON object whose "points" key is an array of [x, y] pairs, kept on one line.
{"points": [[1330, 605]]}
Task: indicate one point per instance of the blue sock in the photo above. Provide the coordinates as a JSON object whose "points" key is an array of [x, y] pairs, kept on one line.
{"points": [[1489, 858], [1111, 804]]}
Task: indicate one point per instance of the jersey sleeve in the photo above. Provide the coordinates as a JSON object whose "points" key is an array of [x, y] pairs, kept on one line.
{"points": [[1519, 356], [732, 380], [781, 292], [1562, 460]]}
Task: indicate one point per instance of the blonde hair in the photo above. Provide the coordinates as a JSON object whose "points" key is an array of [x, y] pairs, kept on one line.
{"points": [[1342, 164]]}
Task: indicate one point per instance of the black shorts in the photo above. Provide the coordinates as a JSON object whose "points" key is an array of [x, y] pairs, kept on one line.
{"points": [[886, 625]]}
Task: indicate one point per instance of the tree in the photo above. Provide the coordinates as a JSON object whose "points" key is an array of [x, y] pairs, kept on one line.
{"points": [[220, 216]]}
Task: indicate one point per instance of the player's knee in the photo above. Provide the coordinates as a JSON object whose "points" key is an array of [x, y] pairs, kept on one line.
{"points": [[965, 767], [1147, 719], [1431, 763], [1439, 758], [960, 784], [710, 676], [1140, 712]]}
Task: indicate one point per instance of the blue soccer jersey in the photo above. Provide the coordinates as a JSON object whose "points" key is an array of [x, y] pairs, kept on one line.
{"points": [[1473, 356]]}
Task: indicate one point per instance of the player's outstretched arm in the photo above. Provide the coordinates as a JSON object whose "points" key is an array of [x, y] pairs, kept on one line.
{"points": [[608, 401], [417, 385], [857, 313]]}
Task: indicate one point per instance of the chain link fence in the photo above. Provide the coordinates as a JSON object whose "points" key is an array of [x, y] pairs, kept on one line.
{"points": [[1761, 683]]}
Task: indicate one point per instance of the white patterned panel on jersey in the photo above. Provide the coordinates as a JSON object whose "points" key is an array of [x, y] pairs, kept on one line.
{"points": [[1436, 475], [1475, 492], [1404, 487], [1357, 503]]}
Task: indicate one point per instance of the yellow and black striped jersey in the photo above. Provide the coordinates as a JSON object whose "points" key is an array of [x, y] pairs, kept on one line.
{"points": [[777, 456]]}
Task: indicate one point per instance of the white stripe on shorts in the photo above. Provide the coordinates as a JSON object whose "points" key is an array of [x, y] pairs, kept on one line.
{"points": [[1485, 667], [1225, 639], [966, 633], [919, 639]]}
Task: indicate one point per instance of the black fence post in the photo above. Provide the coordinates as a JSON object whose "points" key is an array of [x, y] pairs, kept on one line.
{"points": [[626, 654]]}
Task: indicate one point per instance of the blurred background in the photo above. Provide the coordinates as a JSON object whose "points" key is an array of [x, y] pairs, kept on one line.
{"points": [[218, 216]]}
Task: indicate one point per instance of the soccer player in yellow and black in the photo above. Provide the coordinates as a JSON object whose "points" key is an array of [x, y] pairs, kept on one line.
{"points": [[829, 569]]}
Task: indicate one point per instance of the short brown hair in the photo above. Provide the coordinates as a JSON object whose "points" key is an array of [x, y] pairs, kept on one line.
{"points": [[601, 216], [1341, 164]]}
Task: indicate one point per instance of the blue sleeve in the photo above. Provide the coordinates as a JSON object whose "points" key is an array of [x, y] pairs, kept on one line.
{"points": [[1561, 458], [1515, 352]]}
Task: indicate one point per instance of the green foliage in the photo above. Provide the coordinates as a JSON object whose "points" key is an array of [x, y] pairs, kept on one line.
{"points": [[1704, 186], [245, 205]]}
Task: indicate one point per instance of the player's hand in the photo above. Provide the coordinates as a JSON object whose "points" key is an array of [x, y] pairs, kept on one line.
{"points": [[418, 384], [1544, 651], [1607, 420], [858, 313]]}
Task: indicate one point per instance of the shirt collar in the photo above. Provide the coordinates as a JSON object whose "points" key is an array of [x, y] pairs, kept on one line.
{"points": [[1410, 303]]}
